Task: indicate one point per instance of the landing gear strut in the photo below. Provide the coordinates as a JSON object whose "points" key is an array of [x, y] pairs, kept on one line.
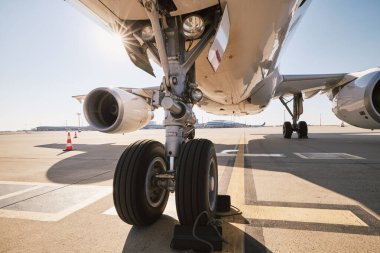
{"points": [[147, 171], [301, 127]]}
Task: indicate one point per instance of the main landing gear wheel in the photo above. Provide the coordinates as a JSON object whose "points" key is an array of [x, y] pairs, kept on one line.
{"points": [[301, 127], [196, 182], [302, 130], [287, 130], [138, 201]]}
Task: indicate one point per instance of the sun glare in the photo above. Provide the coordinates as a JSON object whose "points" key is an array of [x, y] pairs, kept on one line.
{"points": [[116, 39], [113, 42], [110, 43]]}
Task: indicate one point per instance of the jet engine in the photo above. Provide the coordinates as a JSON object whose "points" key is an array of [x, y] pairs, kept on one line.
{"points": [[358, 103], [113, 110]]}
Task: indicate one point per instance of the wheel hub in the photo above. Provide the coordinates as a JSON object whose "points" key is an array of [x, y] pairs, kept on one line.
{"points": [[154, 194], [212, 184], [212, 194]]}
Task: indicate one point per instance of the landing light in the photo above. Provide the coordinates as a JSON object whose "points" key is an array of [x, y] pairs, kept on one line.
{"points": [[147, 33], [196, 95], [193, 26]]}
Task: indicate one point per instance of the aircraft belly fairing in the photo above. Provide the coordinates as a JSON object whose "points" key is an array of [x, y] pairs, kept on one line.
{"points": [[253, 47]]}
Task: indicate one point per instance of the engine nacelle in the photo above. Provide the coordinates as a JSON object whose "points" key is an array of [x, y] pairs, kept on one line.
{"points": [[113, 110], [358, 103]]}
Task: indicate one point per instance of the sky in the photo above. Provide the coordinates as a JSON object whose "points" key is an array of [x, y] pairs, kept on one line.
{"points": [[49, 51]]}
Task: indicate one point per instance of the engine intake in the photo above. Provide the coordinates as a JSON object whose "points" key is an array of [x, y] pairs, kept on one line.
{"points": [[358, 103], [376, 97], [113, 110]]}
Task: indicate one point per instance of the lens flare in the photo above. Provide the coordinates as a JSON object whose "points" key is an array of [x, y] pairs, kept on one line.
{"points": [[124, 34]]}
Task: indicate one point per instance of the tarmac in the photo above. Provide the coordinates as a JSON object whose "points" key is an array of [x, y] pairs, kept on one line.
{"points": [[320, 194]]}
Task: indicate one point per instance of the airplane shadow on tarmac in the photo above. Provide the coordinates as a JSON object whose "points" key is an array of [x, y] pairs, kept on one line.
{"points": [[160, 235], [97, 164], [354, 179]]}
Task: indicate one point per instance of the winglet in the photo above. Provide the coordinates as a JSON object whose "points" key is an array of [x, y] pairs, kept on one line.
{"points": [[80, 98]]}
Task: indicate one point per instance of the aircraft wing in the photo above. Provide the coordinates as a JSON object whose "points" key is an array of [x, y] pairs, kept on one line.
{"points": [[281, 86], [310, 85], [142, 92]]}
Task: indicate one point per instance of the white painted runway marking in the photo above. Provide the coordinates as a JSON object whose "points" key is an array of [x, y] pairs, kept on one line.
{"points": [[229, 151], [111, 211], [21, 191], [233, 152], [29, 183], [42, 216], [251, 155], [327, 156], [265, 155], [26, 209]]}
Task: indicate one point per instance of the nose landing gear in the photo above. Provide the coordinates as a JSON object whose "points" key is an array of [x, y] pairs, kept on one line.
{"points": [[147, 171]]}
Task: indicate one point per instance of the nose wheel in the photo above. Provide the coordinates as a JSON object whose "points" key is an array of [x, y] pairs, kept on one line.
{"points": [[140, 201], [196, 182], [137, 198]]}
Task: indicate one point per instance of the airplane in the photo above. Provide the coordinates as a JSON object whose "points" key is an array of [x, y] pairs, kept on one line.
{"points": [[221, 55], [262, 125]]}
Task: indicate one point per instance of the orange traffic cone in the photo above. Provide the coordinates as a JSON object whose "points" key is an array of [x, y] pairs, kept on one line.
{"points": [[75, 135], [69, 146]]}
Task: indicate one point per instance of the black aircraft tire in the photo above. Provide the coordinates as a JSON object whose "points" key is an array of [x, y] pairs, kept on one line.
{"points": [[196, 182], [287, 130], [302, 130], [137, 201]]}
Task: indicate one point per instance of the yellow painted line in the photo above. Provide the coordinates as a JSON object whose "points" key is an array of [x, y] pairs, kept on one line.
{"points": [[236, 186], [310, 215], [235, 237], [234, 234]]}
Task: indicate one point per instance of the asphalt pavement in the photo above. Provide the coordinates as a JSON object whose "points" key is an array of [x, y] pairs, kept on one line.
{"points": [[320, 194]]}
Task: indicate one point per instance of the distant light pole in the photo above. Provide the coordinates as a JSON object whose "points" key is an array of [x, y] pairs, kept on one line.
{"points": [[78, 113]]}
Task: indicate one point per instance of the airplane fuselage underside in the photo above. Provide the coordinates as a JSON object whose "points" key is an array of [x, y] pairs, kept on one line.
{"points": [[258, 30]]}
